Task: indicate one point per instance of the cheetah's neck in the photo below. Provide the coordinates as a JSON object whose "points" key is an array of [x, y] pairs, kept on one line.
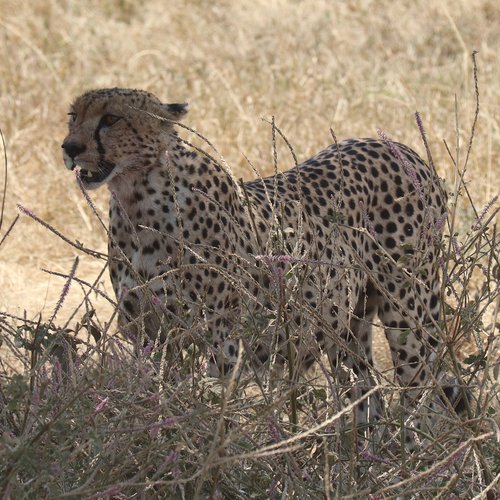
{"points": [[180, 185]]}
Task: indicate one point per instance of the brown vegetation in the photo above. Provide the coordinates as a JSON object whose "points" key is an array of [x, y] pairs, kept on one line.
{"points": [[351, 66], [105, 423]]}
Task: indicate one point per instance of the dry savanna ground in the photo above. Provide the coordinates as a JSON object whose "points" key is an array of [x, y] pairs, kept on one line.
{"points": [[316, 66], [351, 66]]}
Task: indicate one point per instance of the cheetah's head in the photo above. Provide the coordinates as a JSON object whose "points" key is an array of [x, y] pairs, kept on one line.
{"points": [[114, 130]]}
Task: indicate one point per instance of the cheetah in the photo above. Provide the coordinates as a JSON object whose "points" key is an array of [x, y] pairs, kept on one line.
{"points": [[192, 249]]}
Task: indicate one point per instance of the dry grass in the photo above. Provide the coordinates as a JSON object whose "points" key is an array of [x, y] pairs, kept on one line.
{"points": [[352, 66]]}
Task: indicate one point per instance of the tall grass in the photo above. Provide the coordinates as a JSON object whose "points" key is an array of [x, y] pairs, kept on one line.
{"points": [[84, 415], [351, 66]]}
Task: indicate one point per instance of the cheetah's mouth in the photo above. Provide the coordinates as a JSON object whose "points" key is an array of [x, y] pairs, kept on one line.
{"points": [[92, 178]]}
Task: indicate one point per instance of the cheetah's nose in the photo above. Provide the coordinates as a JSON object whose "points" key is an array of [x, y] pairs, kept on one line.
{"points": [[73, 149]]}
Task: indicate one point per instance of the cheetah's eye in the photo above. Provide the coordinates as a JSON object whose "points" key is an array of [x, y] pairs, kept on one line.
{"points": [[108, 120]]}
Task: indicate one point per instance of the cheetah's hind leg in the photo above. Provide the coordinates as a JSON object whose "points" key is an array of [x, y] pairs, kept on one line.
{"points": [[356, 356]]}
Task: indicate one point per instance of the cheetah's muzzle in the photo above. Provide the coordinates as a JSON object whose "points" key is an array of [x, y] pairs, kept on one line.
{"points": [[71, 153]]}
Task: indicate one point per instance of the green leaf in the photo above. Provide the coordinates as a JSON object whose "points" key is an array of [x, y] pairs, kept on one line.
{"points": [[403, 336]]}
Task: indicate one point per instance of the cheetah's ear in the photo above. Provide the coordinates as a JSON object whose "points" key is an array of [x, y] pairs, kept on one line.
{"points": [[174, 111]]}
